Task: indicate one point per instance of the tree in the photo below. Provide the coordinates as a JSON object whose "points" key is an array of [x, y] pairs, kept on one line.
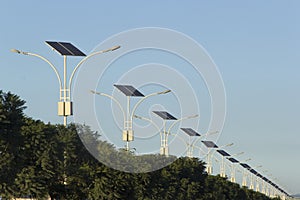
{"points": [[11, 121]]}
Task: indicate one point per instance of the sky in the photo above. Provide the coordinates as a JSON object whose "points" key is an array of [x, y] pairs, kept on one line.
{"points": [[254, 44]]}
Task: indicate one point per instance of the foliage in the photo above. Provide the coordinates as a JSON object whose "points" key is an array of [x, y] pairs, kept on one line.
{"points": [[42, 160]]}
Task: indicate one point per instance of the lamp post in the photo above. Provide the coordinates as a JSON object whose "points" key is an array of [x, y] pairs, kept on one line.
{"points": [[233, 166], [191, 133], [245, 166], [245, 173], [127, 134], [65, 105], [253, 172], [211, 145], [164, 149], [191, 145], [224, 154]]}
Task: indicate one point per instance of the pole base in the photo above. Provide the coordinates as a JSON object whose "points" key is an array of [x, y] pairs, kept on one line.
{"points": [[164, 151]]}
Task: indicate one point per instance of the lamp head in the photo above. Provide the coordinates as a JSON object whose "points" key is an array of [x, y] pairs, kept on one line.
{"points": [[15, 51], [193, 116], [228, 145], [19, 51], [138, 117], [94, 92], [164, 92], [115, 48]]}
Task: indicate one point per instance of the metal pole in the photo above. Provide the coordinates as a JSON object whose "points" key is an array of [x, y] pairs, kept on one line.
{"points": [[165, 136], [257, 184], [65, 87], [222, 171], [189, 148], [232, 179], [209, 167], [128, 122], [251, 182]]}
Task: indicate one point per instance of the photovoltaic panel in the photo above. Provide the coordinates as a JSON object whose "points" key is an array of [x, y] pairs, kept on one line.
{"points": [[233, 160], [273, 184], [209, 144], [129, 90], [190, 131], [253, 171], [165, 115], [223, 153], [259, 175], [264, 178], [245, 165], [75, 51], [65, 48]]}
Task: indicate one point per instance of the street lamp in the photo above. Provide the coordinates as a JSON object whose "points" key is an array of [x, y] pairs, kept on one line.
{"points": [[129, 91], [245, 175], [191, 133], [253, 172], [222, 166], [233, 166], [65, 105], [211, 145], [164, 149]]}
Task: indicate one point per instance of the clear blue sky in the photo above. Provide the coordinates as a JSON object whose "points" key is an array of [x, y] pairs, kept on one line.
{"points": [[255, 44]]}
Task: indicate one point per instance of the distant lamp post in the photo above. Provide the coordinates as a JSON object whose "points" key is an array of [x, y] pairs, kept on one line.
{"points": [[245, 173], [164, 149], [224, 154], [233, 166], [253, 172], [210, 145], [65, 105], [191, 133], [129, 91]]}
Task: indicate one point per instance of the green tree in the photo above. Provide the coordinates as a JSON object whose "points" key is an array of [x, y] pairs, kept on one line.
{"points": [[11, 121]]}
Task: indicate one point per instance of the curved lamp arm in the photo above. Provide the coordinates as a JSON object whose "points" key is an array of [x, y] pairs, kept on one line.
{"points": [[176, 135], [144, 98], [42, 58], [113, 99], [87, 57], [151, 122], [199, 149]]}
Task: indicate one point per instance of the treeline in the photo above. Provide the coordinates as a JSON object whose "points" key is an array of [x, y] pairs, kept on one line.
{"points": [[41, 160]]}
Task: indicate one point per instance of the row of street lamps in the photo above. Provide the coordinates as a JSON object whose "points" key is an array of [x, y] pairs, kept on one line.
{"points": [[262, 183], [65, 109]]}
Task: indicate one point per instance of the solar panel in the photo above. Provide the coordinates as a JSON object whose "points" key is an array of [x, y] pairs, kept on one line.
{"points": [[129, 90], [65, 48], [190, 131], [233, 160], [253, 171], [273, 184], [259, 175], [245, 165], [264, 178], [165, 115], [209, 144], [223, 153]]}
